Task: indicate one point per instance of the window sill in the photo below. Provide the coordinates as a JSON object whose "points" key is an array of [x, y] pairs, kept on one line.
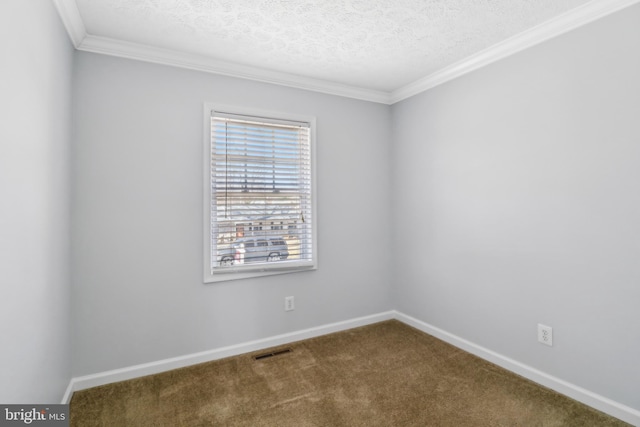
{"points": [[259, 271]]}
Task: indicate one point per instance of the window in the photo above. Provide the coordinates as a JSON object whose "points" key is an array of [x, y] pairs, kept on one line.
{"points": [[259, 193]]}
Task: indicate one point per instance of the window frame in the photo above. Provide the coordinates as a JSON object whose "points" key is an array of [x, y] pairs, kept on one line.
{"points": [[243, 272]]}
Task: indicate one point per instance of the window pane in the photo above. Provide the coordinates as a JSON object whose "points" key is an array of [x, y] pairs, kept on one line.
{"points": [[261, 209]]}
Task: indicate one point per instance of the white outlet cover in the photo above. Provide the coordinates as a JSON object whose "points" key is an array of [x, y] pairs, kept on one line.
{"points": [[545, 334], [289, 304]]}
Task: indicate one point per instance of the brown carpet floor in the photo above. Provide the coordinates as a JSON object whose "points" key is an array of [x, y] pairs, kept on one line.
{"points": [[386, 374]]}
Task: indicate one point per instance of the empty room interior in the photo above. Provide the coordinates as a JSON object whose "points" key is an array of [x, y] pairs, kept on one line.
{"points": [[476, 172]]}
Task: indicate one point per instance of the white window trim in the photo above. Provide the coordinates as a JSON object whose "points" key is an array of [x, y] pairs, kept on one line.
{"points": [[236, 274]]}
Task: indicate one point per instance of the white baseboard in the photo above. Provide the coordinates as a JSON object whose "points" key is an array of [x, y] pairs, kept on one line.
{"points": [[587, 397], [116, 375], [68, 393], [582, 395]]}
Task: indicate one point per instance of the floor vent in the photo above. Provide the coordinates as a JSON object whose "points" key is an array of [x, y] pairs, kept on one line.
{"points": [[271, 354]]}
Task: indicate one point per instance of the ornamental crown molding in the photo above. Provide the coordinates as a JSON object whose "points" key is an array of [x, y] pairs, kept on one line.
{"points": [[575, 18], [124, 49], [552, 28]]}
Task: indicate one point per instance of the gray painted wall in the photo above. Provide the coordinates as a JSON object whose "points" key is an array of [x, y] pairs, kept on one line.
{"points": [[138, 292], [35, 83], [516, 200]]}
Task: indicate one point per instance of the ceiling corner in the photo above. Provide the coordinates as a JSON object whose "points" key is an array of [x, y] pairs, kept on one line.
{"points": [[559, 25], [70, 15]]}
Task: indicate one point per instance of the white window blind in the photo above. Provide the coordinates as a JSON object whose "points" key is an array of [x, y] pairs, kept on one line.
{"points": [[261, 194]]}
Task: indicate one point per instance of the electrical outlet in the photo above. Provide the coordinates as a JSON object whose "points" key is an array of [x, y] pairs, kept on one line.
{"points": [[289, 304], [545, 334]]}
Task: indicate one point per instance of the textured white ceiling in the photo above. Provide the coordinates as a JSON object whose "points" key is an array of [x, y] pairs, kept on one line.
{"points": [[374, 44]]}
